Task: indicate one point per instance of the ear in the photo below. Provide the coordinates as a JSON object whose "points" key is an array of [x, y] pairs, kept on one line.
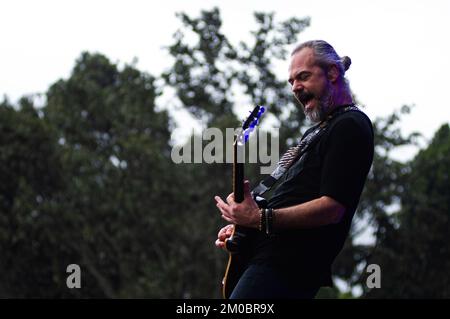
{"points": [[333, 73]]}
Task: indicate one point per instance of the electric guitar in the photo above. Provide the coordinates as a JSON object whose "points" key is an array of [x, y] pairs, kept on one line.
{"points": [[238, 244]]}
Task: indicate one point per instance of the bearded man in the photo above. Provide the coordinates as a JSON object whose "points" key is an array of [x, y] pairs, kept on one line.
{"points": [[307, 219]]}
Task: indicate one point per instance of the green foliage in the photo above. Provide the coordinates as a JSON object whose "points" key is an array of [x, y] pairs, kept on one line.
{"points": [[200, 73], [382, 191], [414, 257], [111, 207], [30, 171], [205, 71]]}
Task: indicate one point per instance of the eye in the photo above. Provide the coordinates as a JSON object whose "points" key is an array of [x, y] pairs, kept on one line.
{"points": [[303, 76]]}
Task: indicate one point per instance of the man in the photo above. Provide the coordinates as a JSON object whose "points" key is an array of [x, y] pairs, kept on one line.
{"points": [[314, 203]]}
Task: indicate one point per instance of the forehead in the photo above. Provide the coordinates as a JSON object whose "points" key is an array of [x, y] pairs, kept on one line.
{"points": [[302, 60]]}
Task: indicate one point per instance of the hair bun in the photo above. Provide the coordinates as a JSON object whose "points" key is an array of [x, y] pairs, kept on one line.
{"points": [[346, 62]]}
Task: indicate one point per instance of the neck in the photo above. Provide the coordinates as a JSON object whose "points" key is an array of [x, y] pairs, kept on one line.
{"points": [[341, 96]]}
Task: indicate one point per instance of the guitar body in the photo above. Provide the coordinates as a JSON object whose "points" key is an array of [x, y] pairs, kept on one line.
{"points": [[237, 260], [239, 246]]}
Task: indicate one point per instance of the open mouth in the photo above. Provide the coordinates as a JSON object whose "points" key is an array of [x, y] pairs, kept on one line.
{"points": [[308, 103], [305, 98]]}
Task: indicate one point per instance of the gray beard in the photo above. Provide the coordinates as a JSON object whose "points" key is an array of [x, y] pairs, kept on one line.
{"points": [[316, 115], [319, 113]]}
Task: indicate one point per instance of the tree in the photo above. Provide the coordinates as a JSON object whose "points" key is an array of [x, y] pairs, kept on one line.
{"points": [[383, 189], [111, 210], [30, 174], [118, 203], [412, 254]]}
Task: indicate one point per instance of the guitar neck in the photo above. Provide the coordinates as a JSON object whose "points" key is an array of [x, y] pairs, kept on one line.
{"points": [[238, 174]]}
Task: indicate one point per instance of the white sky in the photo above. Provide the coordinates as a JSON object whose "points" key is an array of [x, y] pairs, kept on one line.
{"points": [[400, 50]]}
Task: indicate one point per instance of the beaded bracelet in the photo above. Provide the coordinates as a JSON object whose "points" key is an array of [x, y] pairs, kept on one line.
{"points": [[262, 219], [269, 221]]}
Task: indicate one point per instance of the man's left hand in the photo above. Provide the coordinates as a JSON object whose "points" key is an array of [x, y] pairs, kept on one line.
{"points": [[245, 214]]}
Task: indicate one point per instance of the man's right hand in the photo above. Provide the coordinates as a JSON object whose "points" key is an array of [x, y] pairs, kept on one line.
{"points": [[223, 234]]}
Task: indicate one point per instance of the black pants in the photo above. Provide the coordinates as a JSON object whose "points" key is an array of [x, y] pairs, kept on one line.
{"points": [[266, 282]]}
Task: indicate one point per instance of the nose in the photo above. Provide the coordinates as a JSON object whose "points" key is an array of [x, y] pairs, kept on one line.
{"points": [[297, 87]]}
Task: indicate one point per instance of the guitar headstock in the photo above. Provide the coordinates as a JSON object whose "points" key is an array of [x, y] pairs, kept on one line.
{"points": [[249, 124]]}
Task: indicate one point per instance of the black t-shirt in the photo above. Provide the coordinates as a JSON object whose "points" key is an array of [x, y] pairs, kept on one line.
{"points": [[336, 166]]}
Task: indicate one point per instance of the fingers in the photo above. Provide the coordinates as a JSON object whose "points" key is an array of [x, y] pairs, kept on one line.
{"points": [[230, 229], [230, 199], [247, 187], [224, 209], [225, 232], [227, 218], [221, 204], [220, 244]]}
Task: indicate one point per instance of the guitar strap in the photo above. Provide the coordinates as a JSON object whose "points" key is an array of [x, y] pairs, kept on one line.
{"points": [[297, 151]]}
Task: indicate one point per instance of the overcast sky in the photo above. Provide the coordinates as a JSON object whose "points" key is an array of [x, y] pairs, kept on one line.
{"points": [[400, 50]]}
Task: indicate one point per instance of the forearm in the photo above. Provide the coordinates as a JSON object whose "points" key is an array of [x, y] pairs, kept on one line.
{"points": [[318, 212]]}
